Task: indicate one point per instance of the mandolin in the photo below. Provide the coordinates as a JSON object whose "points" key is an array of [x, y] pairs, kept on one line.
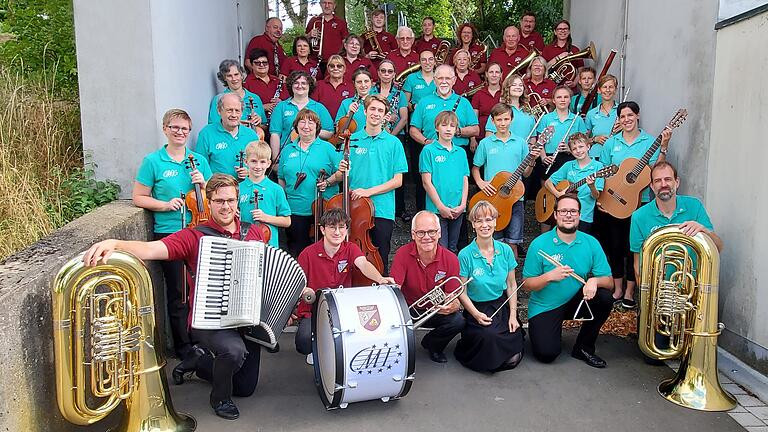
{"points": [[195, 199], [545, 200]]}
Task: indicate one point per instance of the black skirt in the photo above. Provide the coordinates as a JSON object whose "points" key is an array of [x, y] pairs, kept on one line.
{"points": [[486, 348]]}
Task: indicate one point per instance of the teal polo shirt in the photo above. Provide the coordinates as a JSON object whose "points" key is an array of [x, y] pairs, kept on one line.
{"points": [[417, 86], [600, 123], [489, 280], [616, 149], [584, 255], [522, 123], [649, 218], [448, 169], [258, 107], [221, 149], [497, 155], [432, 105], [271, 201], [281, 122], [552, 119], [401, 103], [321, 155], [359, 115], [373, 161], [168, 179], [572, 172]]}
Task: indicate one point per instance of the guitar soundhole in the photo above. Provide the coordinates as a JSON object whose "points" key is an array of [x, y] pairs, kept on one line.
{"points": [[631, 177]]}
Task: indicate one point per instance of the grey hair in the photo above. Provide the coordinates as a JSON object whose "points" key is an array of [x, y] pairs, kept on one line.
{"points": [[402, 29], [220, 102], [225, 66], [434, 216]]}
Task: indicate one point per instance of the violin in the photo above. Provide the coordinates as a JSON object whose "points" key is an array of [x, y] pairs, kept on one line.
{"points": [[195, 199], [259, 131], [361, 212], [318, 207], [266, 232], [345, 127]]}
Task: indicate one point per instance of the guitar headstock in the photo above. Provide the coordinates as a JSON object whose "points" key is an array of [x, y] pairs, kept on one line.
{"points": [[545, 135], [607, 171], [678, 118], [191, 163]]}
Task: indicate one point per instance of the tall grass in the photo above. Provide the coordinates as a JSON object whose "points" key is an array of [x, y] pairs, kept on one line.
{"points": [[40, 151]]}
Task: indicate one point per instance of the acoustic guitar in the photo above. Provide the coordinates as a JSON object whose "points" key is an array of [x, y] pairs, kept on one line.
{"points": [[621, 194], [545, 200], [509, 186]]}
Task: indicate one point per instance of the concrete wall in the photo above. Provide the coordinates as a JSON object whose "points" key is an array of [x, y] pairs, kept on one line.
{"points": [[27, 385], [161, 55], [669, 64], [737, 179]]}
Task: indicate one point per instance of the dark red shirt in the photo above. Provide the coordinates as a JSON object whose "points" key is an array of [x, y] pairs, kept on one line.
{"points": [[415, 279], [471, 80], [534, 40], [387, 42], [475, 51], [324, 271], [423, 45], [331, 96], [403, 62], [293, 64], [264, 42], [184, 245], [508, 61], [482, 101], [265, 90], [359, 63], [551, 51], [544, 88], [334, 32]]}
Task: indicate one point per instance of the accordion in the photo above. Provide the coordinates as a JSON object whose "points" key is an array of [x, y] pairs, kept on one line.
{"points": [[245, 284]]}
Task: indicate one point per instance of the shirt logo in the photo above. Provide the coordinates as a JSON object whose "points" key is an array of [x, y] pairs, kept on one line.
{"points": [[334, 25], [471, 83], [478, 272], [361, 150], [616, 148], [345, 93], [418, 86], [221, 146], [439, 275], [170, 173], [559, 257], [289, 112], [243, 198], [517, 59], [293, 155], [431, 106], [493, 151], [545, 91], [342, 266], [440, 159]]}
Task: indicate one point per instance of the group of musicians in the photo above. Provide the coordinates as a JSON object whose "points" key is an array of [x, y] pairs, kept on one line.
{"points": [[452, 114]]}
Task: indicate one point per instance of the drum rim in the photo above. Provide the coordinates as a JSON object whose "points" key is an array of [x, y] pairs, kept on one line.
{"points": [[338, 395], [408, 321]]}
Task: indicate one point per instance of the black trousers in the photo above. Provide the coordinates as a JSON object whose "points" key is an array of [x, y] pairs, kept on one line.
{"points": [[381, 236], [297, 236], [613, 235], [178, 310], [304, 336], [546, 328], [446, 327], [414, 152], [400, 192], [233, 369]]}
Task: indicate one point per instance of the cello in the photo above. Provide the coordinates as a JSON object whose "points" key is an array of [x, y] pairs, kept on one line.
{"points": [[318, 207], [266, 232], [195, 199], [361, 213]]}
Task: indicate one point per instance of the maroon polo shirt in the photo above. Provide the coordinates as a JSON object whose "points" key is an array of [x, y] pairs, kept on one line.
{"points": [[474, 50], [293, 64], [424, 45], [483, 101], [508, 61], [415, 279], [324, 271], [471, 79], [330, 96], [403, 62], [544, 88], [551, 51], [334, 32], [534, 40], [387, 42], [265, 90], [359, 63], [265, 42], [184, 245]]}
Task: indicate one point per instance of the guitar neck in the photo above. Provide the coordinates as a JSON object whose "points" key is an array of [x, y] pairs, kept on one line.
{"points": [[519, 171], [643, 162]]}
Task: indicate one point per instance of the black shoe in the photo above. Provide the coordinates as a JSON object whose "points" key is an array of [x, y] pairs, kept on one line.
{"points": [[628, 304], [438, 357], [226, 409], [187, 366], [590, 359]]}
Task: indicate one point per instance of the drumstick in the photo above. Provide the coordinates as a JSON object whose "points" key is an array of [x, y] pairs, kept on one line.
{"points": [[507, 300], [557, 263]]}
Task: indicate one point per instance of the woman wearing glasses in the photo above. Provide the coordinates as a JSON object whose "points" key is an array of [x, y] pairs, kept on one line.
{"points": [[232, 76], [466, 34], [163, 177], [301, 60], [334, 88], [492, 340], [561, 45], [354, 58], [266, 86]]}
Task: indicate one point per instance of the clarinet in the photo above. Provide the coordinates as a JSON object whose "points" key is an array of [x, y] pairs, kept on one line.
{"points": [[278, 90], [565, 139], [395, 102]]}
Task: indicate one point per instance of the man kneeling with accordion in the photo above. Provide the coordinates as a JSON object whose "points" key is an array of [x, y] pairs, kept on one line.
{"points": [[230, 324]]}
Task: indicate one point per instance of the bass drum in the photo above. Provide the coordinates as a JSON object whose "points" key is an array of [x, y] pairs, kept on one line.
{"points": [[362, 345]]}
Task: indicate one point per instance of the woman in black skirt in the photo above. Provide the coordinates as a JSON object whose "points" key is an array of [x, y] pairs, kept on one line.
{"points": [[489, 344]]}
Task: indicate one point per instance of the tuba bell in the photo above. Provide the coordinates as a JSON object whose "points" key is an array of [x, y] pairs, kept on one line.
{"points": [[105, 343], [441, 53], [563, 70], [524, 63], [678, 300]]}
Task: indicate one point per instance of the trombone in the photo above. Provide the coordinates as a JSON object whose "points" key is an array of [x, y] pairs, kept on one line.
{"points": [[434, 300]]}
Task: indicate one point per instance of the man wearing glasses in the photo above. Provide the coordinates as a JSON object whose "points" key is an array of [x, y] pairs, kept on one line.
{"points": [[404, 56], [557, 295], [232, 363], [421, 265], [269, 42]]}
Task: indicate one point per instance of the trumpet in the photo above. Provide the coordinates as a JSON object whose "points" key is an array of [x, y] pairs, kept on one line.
{"points": [[563, 70], [434, 300], [370, 35], [534, 107], [316, 42]]}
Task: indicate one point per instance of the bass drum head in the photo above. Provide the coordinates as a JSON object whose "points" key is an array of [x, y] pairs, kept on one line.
{"points": [[327, 354]]}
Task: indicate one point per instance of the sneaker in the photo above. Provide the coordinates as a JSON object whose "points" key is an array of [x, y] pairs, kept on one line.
{"points": [[226, 409], [628, 304], [310, 360]]}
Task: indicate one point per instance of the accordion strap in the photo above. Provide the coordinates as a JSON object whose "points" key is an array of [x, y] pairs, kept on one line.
{"points": [[244, 226]]}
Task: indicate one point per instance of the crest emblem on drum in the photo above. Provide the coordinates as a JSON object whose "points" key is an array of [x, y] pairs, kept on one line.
{"points": [[369, 316], [342, 265]]}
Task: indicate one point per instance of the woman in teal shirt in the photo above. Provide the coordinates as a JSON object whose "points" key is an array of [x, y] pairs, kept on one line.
{"points": [[489, 344], [361, 78], [601, 119]]}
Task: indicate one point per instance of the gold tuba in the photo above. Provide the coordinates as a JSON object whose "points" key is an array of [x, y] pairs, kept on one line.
{"points": [[523, 65], [441, 53], [678, 299], [563, 70], [404, 74], [105, 347]]}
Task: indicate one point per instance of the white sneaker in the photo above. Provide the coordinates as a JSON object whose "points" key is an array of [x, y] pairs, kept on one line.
{"points": [[310, 361]]}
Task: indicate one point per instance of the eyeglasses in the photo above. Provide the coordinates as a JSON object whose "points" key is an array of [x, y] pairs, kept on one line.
{"points": [[261, 63], [300, 84], [562, 29], [386, 71], [230, 202], [567, 212], [335, 66], [422, 233], [336, 227], [177, 129]]}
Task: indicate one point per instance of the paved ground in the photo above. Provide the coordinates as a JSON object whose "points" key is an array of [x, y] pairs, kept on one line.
{"points": [[564, 396]]}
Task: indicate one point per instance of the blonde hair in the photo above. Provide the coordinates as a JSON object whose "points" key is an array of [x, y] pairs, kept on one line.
{"points": [[446, 117], [482, 207], [258, 149], [175, 113]]}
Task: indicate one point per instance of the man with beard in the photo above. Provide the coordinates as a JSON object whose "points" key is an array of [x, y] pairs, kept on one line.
{"points": [[556, 294]]}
